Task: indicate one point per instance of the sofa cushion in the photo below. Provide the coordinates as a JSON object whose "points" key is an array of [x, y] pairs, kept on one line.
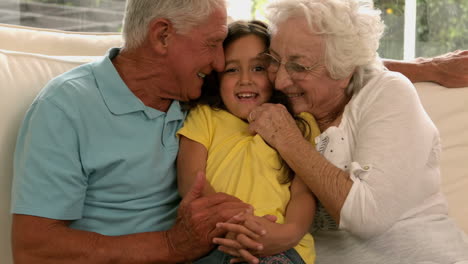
{"points": [[22, 75], [56, 42], [448, 109]]}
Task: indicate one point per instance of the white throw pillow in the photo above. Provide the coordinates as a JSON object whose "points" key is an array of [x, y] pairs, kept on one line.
{"points": [[448, 108], [22, 76], [56, 42]]}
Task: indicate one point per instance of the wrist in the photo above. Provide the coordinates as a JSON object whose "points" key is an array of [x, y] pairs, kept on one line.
{"points": [[176, 255], [293, 142], [286, 236], [294, 234], [426, 70]]}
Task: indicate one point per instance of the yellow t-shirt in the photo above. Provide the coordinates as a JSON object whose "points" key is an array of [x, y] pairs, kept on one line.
{"points": [[243, 165]]}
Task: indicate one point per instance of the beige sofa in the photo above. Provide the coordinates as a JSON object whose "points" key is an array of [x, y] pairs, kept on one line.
{"points": [[30, 57]]}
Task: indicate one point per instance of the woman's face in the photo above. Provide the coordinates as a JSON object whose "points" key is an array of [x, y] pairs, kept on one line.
{"points": [[244, 82], [307, 81]]}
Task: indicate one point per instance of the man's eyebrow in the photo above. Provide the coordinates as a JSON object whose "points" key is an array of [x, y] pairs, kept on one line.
{"points": [[220, 37], [217, 39]]}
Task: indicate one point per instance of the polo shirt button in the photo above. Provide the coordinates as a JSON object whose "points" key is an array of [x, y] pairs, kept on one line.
{"points": [[366, 168]]}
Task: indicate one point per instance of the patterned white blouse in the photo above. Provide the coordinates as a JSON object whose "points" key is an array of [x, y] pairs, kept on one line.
{"points": [[395, 211]]}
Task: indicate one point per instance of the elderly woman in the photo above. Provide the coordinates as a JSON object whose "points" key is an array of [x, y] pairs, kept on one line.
{"points": [[375, 169]]}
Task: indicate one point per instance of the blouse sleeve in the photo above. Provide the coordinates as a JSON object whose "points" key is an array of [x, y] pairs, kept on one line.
{"points": [[395, 158]]}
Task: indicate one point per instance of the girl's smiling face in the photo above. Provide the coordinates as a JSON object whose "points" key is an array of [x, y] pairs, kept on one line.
{"points": [[244, 83]]}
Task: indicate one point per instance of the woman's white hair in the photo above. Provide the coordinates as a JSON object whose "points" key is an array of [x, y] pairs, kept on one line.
{"points": [[183, 14], [351, 30]]}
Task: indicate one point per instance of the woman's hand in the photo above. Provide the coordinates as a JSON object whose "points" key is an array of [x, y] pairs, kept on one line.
{"points": [[274, 124]]}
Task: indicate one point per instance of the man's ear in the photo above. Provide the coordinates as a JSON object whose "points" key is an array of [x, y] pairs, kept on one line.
{"points": [[159, 32]]}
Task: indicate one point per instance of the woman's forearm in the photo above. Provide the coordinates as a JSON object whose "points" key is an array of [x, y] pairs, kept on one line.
{"points": [[329, 184]]}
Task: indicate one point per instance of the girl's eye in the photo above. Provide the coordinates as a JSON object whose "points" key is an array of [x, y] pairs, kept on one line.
{"points": [[229, 70], [259, 68]]}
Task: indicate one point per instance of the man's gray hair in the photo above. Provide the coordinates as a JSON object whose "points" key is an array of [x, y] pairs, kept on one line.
{"points": [[351, 30], [183, 14]]}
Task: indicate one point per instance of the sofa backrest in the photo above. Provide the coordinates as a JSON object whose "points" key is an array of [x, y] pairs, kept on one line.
{"points": [[448, 109], [29, 58], [56, 42], [23, 72]]}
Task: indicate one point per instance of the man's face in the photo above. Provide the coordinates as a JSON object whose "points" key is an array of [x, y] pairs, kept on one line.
{"points": [[197, 53]]}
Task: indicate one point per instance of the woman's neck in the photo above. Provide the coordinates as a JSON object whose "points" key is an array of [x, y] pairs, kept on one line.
{"points": [[333, 117]]}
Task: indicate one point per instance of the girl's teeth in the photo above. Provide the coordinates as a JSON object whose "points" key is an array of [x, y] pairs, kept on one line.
{"points": [[246, 95]]}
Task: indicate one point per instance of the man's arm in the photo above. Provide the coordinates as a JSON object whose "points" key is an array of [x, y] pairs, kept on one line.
{"points": [[43, 240], [449, 70]]}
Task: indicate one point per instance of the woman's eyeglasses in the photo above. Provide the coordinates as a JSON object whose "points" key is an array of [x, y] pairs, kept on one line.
{"points": [[296, 71]]}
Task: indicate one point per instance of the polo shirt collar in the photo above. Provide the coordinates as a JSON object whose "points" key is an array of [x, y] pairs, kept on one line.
{"points": [[118, 97]]}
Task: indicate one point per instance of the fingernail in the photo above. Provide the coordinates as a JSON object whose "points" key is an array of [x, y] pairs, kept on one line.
{"points": [[218, 224], [263, 232], [260, 247]]}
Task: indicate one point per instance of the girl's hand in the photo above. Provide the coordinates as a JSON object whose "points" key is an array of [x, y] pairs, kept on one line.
{"points": [[257, 236], [240, 239]]}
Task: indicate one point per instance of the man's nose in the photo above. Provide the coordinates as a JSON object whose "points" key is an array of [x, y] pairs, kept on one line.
{"points": [[218, 61]]}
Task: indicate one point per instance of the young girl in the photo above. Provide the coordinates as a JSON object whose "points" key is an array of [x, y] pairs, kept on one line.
{"points": [[215, 139]]}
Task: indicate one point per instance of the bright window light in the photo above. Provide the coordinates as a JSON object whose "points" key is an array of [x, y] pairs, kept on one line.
{"points": [[240, 9]]}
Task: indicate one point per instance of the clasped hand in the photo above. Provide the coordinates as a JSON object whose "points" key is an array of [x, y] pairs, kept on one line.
{"points": [[250, 237]]}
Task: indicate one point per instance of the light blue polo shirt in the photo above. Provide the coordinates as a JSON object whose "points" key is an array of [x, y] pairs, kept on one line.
{"points": [[90, 151]]}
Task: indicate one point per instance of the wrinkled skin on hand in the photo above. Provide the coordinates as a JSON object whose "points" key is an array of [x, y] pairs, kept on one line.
{"points": [[195, 227], [451, 69], [274, 123]]}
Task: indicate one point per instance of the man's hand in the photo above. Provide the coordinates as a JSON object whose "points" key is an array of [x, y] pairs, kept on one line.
{"points": [[192, 235]]}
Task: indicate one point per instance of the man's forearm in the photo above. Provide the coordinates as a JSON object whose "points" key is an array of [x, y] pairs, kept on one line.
{"points": [[415, 71], [449, 70], [40, 240]]}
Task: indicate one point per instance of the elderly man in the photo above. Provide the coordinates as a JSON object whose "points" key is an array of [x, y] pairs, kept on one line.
{"points": [[95, 161]]}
